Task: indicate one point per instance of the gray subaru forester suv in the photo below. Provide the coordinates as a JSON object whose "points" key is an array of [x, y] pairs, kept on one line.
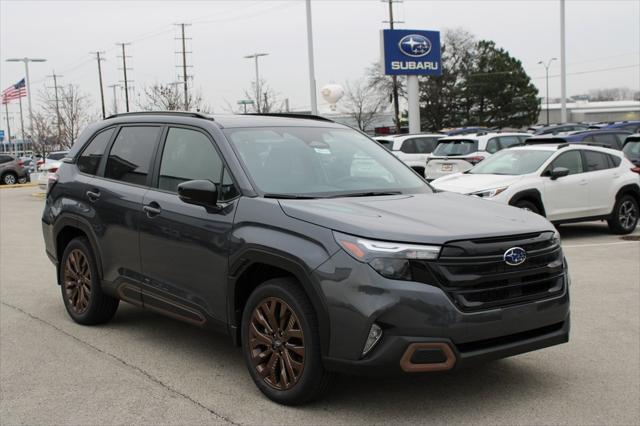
{"points": [[312, 246]]}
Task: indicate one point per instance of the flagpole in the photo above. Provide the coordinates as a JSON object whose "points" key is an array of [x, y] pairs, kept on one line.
{"points": [[21, 119], [6, 109]]}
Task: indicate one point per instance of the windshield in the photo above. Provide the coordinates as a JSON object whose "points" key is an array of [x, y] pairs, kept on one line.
{"points": [[457, 147], [320, 162], [512, 162], [632, 149]]}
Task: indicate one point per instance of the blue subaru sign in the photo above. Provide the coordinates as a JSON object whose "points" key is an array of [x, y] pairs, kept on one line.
{"points": [[1, 135], [411, 52]]}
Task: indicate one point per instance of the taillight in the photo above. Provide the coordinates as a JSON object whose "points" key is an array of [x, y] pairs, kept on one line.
{"points": [[51, 181], [53, 170], [40, 162], [21, 163], [474, 160], [636, 169]]}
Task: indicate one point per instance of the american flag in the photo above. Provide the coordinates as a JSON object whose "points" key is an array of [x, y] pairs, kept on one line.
{"points": [[14, 91]]}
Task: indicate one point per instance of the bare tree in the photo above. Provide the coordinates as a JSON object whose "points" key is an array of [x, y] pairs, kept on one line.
{"points": [[159, 97], [70, 112], [267, 101], [362, 101], [43, 136]]}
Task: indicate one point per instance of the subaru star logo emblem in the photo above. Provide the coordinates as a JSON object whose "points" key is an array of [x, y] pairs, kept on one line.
{"points": [[415, 45], [514, 256]]}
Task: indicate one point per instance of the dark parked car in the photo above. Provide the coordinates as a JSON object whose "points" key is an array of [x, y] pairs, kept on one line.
{"points": [[629, 126], [555, 129], [631, 149], [315, 248], [464, 131], [12, 171], [607, 138]]}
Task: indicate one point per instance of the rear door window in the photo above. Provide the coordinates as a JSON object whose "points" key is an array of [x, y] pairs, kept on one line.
{"points": [[425, 145], [409, 147], [596, 161], [493, 146], [607, 139], [130, 156], [509, 141]]}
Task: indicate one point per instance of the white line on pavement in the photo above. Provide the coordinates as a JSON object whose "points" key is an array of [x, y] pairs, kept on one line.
{"points": [[600, 244]]}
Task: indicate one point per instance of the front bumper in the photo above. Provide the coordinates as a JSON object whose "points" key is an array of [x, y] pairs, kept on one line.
{"points": [[413, 312]]}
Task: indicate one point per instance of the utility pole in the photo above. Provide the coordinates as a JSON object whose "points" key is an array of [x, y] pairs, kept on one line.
{"points": [[255, 56], [563, 67], [546, 66], [26, 71], [115, 96], [55, 90], [394, 78], [312, 73], [124, 69], [99, 59], [184, 65]]}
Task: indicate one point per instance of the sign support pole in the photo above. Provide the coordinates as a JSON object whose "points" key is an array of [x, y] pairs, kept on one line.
{"points": [[413, 92]]}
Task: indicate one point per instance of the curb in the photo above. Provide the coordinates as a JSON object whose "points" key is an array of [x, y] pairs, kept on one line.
{"points": [[19, 185]]}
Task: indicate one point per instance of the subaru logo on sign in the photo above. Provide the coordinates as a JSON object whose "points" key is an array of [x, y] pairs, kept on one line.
{"points": [[415, 45], [514, 256]]}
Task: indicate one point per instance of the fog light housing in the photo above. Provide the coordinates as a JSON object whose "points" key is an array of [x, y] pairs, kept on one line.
{"points": [[375, 333]]}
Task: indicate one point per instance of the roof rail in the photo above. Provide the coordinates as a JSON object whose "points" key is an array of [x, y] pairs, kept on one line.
{"points": [[291, 115], [566, 144], [176, 113]]}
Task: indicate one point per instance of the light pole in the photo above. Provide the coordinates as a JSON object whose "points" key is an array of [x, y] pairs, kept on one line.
{"points": [[26, 72], [255, 56], [546, 67], [312, 72]]}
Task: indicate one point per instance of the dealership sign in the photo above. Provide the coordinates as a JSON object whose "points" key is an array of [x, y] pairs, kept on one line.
{"points": [[411, 52]]}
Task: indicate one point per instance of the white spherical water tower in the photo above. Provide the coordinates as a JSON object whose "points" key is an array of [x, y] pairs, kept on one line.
{"points": [[332, 93]]}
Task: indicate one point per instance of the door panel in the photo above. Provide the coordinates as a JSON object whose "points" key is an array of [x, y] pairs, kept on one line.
{"points": [[184, 248], [602, 180], [568, 196]]}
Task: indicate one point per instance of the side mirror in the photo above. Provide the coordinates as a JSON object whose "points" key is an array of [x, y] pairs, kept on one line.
{"points": [[558, 172], [199, 192]]}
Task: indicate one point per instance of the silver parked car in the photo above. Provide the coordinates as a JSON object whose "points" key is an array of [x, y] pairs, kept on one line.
{"points": [[12, 171]]}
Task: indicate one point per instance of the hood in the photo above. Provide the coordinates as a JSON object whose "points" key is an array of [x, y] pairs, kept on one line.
{"points": [[466, 183], [417, 218]]}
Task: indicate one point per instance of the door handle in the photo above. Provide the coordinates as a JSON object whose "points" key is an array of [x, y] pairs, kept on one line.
{"points": [[584, 182], [152, 209], [93, 195]]}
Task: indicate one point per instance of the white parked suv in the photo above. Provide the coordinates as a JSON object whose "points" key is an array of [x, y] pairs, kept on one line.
{"points": [[564, 182], [411, 149], [455, 154]]}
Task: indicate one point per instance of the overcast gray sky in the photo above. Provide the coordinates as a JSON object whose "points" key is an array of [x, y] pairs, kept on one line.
{"points": [[601, 34]]}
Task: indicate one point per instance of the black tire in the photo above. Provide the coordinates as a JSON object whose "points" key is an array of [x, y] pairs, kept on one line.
{"points": [[98, 308], [624, 218], [9, 178], [23, 179], [313, 381], [527, 205]]}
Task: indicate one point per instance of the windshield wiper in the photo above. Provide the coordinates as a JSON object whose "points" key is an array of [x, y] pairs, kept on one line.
{"points": [[366, 194], [290, 196]]}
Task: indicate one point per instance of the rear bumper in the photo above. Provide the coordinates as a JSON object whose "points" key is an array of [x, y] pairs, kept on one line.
{"points": [[390, 359]]}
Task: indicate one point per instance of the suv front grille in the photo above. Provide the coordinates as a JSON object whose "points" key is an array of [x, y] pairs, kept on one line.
{"points": [[475, 276]]}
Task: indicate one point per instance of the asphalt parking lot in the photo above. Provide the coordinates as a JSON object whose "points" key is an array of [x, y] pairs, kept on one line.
{"points": [[142, 368]]}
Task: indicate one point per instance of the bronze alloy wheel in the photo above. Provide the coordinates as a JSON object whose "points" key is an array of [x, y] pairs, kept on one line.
{"points": [[276, 343], [77, 281]]}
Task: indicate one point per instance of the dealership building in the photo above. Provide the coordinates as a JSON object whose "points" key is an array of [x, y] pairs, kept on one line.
{"points": [[585, 111]]}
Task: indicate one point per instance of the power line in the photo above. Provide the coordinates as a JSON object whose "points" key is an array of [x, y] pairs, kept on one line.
{"points": [[590, 71]]}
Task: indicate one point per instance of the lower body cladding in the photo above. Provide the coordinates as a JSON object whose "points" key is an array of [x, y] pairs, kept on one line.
{"points": [[422, 330]]}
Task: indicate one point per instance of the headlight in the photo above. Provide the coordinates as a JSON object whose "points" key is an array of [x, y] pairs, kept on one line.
{"points": [[389, 259], [488, 193]]}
